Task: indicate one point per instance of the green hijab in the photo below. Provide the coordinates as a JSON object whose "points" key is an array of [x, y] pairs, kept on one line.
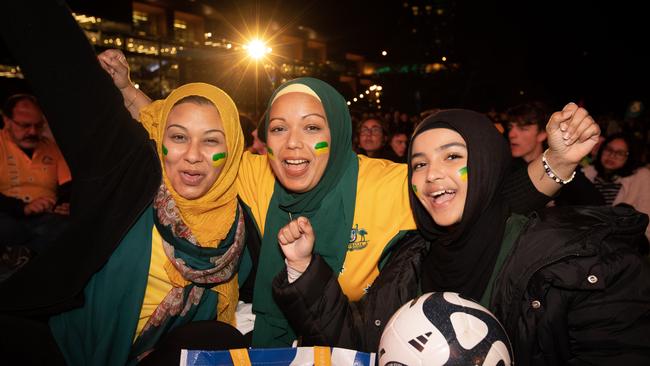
{"points": [[329, 206]]}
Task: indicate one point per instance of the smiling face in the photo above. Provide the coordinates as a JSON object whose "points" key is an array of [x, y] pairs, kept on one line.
{"points": [[299, 140], [439, 164], [194, 148]]}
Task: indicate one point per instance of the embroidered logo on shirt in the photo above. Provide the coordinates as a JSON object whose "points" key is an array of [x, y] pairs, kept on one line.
{"points": [[357, 238], [47, 160]]}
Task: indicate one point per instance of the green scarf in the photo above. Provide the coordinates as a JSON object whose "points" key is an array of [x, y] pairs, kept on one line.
{"points": [[101, 332], [329, 206]]}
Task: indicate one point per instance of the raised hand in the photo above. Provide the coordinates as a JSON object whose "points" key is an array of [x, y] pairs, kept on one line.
{"points": [[114, 63], [297, 242], [572, 134]]}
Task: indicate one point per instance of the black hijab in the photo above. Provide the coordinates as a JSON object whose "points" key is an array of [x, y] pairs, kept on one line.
{"points": [[462, 257]]}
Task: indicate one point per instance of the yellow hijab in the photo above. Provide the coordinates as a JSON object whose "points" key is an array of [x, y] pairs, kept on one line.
{"points": [[210, 216]]}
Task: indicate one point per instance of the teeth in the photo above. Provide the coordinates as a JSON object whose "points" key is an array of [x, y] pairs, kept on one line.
{"points": [[441, 192], [296, 162]]}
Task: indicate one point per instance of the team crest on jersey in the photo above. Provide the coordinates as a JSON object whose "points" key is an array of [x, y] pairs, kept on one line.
{"points": [[357, 238]]}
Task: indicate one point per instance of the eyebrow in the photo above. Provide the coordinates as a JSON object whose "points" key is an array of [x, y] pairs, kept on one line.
{"points": [[440, 148], [303, 117], [451, 144], [205, 133]]}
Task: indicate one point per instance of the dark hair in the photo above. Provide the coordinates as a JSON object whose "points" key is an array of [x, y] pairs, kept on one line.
{"points": [[631, 162], [529, 114], [10, 103]]}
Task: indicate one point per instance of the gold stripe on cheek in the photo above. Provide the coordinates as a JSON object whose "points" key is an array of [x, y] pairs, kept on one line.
{"points": [[322, 148]]}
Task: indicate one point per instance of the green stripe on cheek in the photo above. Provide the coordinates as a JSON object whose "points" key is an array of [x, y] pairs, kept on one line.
{"points": [[164, 150], [321, 148], [415, 188], [219, 159], [462, 172], [270, 152]]}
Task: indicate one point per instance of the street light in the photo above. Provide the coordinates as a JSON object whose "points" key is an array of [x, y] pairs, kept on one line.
{"points": [[257, 49]]}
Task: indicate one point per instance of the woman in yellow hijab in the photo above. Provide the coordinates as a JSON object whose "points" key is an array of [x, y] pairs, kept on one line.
{"points": [[193, 231], [157, 231]]}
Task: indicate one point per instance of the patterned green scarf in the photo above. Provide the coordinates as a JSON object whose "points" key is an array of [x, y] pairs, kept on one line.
{"points": [[203, 267], [329, 206]]}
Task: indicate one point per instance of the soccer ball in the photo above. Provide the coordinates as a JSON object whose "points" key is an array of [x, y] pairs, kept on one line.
{"points": [[442, 328]]}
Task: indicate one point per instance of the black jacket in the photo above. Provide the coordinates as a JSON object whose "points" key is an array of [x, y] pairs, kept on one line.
{"points": [[582, 265]]}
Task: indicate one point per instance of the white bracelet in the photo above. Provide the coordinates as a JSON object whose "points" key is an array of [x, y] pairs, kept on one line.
{"points": [[552, 174]]}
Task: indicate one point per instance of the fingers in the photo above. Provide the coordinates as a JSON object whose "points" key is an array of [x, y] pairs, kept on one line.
{"points": [[294, 230], [305, 226], [560, 119], [289, 233], [580, 122]]}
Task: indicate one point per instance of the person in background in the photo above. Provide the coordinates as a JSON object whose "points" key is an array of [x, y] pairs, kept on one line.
{"points": [[398, 142], [618, 176], [34, 178], [373, 136]]}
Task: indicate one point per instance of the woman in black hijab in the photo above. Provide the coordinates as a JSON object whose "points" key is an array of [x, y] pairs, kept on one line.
{"points": [[568, 284]]}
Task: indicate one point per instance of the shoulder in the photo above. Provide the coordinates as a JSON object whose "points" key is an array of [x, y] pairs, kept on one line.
{"points": [[380, 170]]}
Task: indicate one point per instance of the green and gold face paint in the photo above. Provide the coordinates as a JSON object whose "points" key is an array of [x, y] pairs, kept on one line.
{"points": [[322, 148], [462, 172], [415, 189], [219, 159], [270, 152], [164, 150]]}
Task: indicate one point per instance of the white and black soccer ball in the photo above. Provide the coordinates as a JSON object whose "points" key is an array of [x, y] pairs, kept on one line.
{"points": [[442, 328]]}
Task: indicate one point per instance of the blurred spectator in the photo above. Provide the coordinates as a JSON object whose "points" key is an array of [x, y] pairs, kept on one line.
{"points": [[617, 175], [373, 136], [34, 179], [398, 142]]}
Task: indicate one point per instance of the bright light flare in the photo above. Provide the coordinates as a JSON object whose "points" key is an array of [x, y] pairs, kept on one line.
{"points": [[257, 49]]}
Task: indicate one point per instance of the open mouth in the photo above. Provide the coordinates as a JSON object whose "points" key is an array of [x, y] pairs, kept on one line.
{"points": [[191, 178], [442, 196], [295, 167]]}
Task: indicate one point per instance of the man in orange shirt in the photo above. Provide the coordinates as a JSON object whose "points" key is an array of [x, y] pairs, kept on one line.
{"points": [[33, 175]]}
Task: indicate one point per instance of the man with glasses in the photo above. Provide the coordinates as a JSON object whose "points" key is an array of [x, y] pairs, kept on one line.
{"points": [[33, 178]]}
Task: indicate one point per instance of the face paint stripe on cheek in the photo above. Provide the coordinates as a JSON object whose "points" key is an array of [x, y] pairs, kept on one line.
{"points": [[322, 148], [164, 150], [415, 189], [462, 172], [219, 159], [270, 152]]}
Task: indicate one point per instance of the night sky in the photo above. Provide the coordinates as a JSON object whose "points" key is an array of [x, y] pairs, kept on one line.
{"points": [[583, 51]]}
